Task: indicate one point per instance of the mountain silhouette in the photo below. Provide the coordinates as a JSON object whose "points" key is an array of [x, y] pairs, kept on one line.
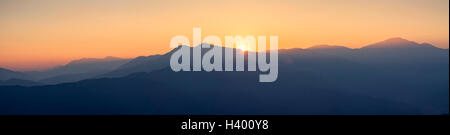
{"points": [[77, 70], [6, 74], [19, 82], [398, 43], [167, 92], [150, 63], [382, 78]]}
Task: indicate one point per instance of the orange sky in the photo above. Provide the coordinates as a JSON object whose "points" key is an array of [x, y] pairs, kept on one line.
{"points": [[41, 34]]}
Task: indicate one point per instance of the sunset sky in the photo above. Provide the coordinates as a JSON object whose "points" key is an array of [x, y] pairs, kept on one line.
{"points": [[36, 35]]}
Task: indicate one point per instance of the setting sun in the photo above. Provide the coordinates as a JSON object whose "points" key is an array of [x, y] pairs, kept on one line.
{"points": [[242, 47]]}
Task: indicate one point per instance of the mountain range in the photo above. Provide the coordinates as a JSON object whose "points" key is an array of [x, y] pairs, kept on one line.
{"points": [[395, 76], [73, 71]]}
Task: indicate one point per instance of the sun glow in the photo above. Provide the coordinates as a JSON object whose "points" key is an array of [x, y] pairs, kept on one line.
{"points": [[242, 47]]}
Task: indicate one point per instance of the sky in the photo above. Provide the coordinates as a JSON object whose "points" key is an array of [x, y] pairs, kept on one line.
{"points": [[37, 35]]}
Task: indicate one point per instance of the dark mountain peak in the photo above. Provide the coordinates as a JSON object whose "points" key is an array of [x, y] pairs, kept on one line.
{"points": [[399, 43]]}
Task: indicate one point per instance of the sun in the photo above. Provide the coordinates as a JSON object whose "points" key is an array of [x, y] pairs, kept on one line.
{"points": [[242, 47]]}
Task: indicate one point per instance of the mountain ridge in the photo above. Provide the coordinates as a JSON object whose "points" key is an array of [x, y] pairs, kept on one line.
{"points": [[392, 47], [398, 43]]}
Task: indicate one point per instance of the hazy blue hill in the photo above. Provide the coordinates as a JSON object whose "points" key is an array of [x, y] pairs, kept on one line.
{"points": [[167, 92], [78, 70], [140, 64], [395, 69], [19, 82], [6, 74], [418, 85], [71, 77]]}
